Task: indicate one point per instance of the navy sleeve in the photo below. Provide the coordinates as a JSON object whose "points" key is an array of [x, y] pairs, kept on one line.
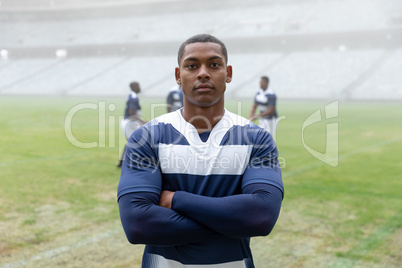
{"points": [[271, 100], [264, 166], [140, 171], [252, 213], [144, 222]]}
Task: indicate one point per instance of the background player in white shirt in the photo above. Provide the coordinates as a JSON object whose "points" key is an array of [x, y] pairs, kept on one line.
{"points": [[265, 101], [132, 115]]}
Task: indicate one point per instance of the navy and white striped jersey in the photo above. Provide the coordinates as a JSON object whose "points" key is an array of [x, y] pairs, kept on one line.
{"points": [[132, 103], [264, 99], [168, 154]]}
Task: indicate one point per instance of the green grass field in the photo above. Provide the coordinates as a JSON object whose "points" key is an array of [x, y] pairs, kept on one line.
{"points": [[58, 201]]}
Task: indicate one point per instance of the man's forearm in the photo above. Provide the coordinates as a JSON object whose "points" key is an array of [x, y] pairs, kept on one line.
{"points": [[252, 111], [251, 214], [145, 222], [270, 111]]}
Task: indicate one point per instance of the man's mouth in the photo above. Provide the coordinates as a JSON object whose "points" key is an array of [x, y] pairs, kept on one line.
{"points": [[204, 87]]}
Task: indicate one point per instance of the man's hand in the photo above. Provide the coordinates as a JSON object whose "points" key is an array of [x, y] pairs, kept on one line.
{"points": [[166, 199], [253, 117]]}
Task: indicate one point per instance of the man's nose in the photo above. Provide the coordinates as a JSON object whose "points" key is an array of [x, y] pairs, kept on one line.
{"points": [[203, 73]]}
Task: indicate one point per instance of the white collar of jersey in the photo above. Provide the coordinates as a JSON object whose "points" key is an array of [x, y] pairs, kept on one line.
{"points": [[266, 92], [133, 95], [190, 132]]}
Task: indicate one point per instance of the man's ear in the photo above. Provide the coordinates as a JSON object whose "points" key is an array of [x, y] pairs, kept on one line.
{"points": [[177, 75], [229, 73]]}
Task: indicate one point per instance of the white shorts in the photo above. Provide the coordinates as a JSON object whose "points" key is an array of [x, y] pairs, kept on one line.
{"points": [[269, 125], [128, 126]]}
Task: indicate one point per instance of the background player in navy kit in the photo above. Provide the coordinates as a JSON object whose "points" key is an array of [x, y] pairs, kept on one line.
{"points": [[265, 101], [174, 99], [132, 115], [197, 183]]}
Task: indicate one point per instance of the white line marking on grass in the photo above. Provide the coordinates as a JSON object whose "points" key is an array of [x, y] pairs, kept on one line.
{"points": [[347, 155], [60, 250]]}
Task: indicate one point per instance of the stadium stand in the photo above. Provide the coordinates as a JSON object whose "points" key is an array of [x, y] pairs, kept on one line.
{"points": [[17, 71], [383, 84], [316, 74], [118, 78], [58, 76], [310, 49]]}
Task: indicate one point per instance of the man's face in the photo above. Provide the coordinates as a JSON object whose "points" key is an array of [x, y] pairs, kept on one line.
{"points": [[203, 74], [263, 84], [136, 88]]}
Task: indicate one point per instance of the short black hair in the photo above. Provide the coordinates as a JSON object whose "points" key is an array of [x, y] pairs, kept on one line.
{"points": [[266, 78], [202, 38]]}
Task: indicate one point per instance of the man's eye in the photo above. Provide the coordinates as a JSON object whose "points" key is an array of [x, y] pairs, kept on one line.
{"points": [[191, 66], [215, 64]]}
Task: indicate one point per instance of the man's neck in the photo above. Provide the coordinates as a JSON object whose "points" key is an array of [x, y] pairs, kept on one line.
{"points": [[203, 119]]}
